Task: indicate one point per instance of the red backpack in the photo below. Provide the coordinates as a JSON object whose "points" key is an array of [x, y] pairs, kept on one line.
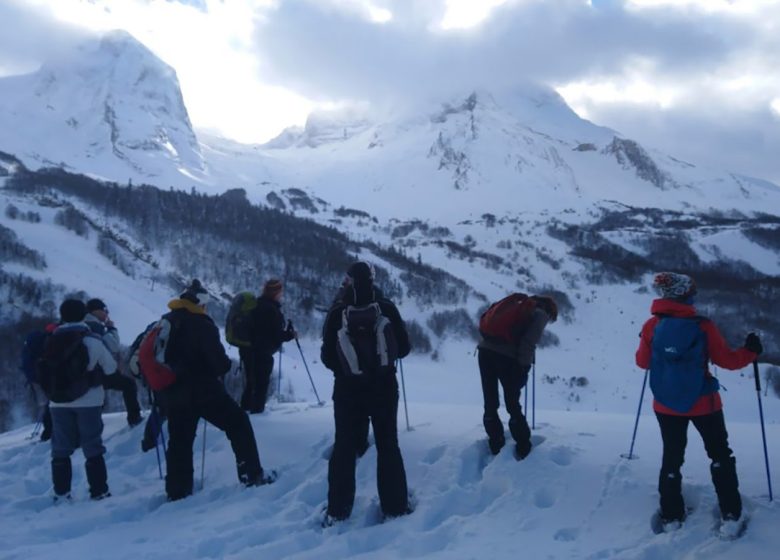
{"points": [[506, 318], [151, 356]]}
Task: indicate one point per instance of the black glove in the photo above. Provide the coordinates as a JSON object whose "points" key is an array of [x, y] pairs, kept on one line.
{"points": [[289, 332], [753, 343]]}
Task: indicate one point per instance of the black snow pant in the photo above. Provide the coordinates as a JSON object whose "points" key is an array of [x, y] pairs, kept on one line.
{"points": [[223, 412], [712, 428], [258, 367], [495, 368], [354, 399], [119, 382], [154, 424]]}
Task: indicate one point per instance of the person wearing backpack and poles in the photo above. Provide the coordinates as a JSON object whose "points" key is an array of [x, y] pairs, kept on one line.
{"points": [[267, 333], [98, 320], [70, 373], [362, 338], [194, 354], [510, 329], [676, 345]]}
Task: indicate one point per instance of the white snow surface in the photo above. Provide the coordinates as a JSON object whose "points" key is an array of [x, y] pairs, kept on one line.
{"points": [[573, 497]]}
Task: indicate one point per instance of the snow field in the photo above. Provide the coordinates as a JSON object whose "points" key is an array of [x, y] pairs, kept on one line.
{"points": [[573, 497]]}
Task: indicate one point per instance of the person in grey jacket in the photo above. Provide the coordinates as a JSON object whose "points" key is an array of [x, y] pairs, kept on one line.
{"points": [[99, 322], [78, 423], [509, 364]]}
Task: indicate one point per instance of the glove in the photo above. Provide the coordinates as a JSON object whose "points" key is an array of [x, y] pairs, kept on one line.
{"points": [[753, 343]]}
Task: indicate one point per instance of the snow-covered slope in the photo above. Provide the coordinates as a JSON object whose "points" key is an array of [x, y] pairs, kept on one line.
{"points": [[573, 497], [111, 109]]}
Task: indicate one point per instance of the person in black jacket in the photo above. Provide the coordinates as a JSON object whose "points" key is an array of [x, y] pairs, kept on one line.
{"points": [[268, 334], [198, 358], [361, 390]]}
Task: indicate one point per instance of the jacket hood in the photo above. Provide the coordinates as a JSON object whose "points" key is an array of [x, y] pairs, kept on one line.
{"points": [[187, 305], [663, 306]]}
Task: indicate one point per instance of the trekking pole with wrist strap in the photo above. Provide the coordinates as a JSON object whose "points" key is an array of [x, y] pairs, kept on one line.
{"points": [[630, 454], [319, 402], [763, 431]]}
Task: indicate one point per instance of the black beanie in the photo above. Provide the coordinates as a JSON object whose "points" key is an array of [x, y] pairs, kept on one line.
{"points": [[96, 304], [362, 276], [72, 311], [195, 293]]}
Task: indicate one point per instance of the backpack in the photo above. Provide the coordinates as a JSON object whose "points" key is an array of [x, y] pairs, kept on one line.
{"points": [[238, 325], [132, 360], [151, 355], [366, 343], [62, 369], [678, 365], [32, 351], [506, 319]]}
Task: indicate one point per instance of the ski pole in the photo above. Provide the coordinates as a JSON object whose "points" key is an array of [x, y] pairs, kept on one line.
{"points": [[157, 439], [279, 383], [319, 402], [203, 458], [533, 398], [636, 423], [403, 389], [763, 431]]}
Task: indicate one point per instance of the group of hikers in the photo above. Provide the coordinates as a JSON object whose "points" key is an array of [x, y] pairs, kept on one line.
{"points": [[181, 357]]}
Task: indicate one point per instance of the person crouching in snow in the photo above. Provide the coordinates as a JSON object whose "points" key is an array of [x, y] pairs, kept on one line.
{"points": [[676, 345]]}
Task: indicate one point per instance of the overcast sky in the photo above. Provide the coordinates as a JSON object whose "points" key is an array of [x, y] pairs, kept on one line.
{"points": [[699, 79]]}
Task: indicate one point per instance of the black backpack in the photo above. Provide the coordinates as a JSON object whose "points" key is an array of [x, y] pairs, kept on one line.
{"points": [[62, 370], [238, 326], [34, 343], [366, 342]]}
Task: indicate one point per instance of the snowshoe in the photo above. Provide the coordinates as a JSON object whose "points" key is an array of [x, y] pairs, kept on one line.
{"points": [[730, 529]]}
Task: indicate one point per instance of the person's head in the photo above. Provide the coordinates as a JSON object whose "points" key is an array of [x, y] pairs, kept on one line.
{"points": [[72, 311], [548, 305], [675, 286], [273, 289], [98, 308], [361, 279], [196, 293]]}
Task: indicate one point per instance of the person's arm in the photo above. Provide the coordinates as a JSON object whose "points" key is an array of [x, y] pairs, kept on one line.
{"points": [[212, 350], [399, 327], [526, 345], [719, 352], [328, 353], [111, 340], [645, 351], [99, 356]]}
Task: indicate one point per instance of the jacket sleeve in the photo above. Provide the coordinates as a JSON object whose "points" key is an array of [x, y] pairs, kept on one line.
{"points": [[212, 350], [111, 340], [526, 345], [399, 328], [645, 350], [719, 352], [328, 353], [99, 356]]}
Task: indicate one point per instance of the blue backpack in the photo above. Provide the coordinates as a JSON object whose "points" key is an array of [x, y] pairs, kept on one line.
{"points": [[678, 367]]}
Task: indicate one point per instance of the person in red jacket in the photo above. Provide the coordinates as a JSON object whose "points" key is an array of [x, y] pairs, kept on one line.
{"points": [[676, 345]]}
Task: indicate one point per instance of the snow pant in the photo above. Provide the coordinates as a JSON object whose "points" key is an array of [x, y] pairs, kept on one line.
{"points": [[354, 399], [258, 367], [712, 428], [513, 376], [119, 382], [223, 412], [74, 427]]}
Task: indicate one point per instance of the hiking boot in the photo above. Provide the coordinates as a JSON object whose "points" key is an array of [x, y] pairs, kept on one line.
{"points": [[496, 445], [147, 445], [134, 420], [62, 499], [262, 479], [522, 450], [101, 496], [329, 520], [45, 435], [731, 526]]}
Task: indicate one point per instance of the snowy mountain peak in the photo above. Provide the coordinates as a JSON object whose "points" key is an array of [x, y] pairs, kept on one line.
{"points": [[111, 101]]}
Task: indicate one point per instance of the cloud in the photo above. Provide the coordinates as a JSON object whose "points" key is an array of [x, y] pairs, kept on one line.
{"points": [[30, 34]]}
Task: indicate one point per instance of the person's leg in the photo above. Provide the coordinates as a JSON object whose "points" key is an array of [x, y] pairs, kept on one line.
{"points": [[341, 467], [490, 419], [64, 441], [674, 435], [390, 472], [225, 414], [119, 382], [513, 378], [723, 468], [265, 366], [90, 422], [46, 422], [182, 425]]}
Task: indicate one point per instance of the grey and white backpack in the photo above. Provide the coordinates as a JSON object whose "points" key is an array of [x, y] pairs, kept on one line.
{"points": [[366, 343]]}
